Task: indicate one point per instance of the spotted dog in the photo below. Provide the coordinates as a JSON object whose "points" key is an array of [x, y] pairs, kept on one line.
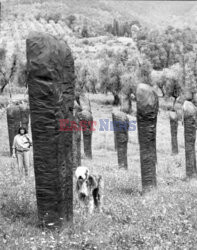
{"points": [[89, 189]]}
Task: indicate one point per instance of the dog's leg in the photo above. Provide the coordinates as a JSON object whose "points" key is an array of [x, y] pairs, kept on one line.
{"points": [[100, 194], [82, 207], [100, 203], [91, 206]]}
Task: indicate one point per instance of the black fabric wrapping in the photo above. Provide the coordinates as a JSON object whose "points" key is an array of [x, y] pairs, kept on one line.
{"points": [[190, 139], [174, 131], [121, 124], [147, 109], [87, 118], [194, 99], [17, 115], [115, 140], [50, 68]]}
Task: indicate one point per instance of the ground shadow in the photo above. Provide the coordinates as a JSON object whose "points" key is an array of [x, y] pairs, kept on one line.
{"points": [[15, 213], [130, 191]]}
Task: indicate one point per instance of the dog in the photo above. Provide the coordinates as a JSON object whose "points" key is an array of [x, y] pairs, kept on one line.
{"points": [[89, 189]]}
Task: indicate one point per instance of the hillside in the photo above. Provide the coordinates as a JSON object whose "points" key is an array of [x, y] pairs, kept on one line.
{"points": [[149, 13], [156, 13]]}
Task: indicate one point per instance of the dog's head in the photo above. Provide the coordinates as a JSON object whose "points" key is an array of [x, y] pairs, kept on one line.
{"points": [[85, 183]]}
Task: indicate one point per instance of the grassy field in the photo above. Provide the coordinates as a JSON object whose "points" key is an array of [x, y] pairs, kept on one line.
{"points": [[165, 218]]}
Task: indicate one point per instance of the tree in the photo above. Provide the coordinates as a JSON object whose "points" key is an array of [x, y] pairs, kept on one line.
{"points": [[82, 73], [7, 74], [166, 48], [71, 19], [115, 28], [21, 75], [190, 114], [3, 77], [91, 82], [147, 109], [145, 72], [104, 77], [114, 86], [84, 31]]}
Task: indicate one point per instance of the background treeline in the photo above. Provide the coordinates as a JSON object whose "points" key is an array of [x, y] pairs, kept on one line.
{"points": [[162, 58], [154, 54]]}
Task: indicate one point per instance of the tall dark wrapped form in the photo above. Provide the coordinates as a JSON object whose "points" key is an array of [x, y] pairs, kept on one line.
{"points": [[115, 140], [190, 112], [121, 125], [147, 109], [174, 130], [17, 115], [50, 81]]}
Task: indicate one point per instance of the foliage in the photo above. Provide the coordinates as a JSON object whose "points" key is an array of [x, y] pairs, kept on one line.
{"points": [[84, 31], [191, 71], [21, 74], [111, 71], [115, 70], [55, 16], [86, 78], [144, 74], [166, 48], [7, 71], [71, 19], [3, 77], [122, 28]]}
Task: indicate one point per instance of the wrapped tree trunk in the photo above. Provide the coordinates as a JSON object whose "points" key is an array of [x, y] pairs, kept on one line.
{"points": [[116, 99], [121, 125], [84, 102], [194, 100], [115, 140], [174, 129], [50, 67], [189, 112], [147, 109], [76, 138], [86, 120], [17, 115]]}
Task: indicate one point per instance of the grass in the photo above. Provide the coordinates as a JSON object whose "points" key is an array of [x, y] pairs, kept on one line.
{"points": [[164, 218]]}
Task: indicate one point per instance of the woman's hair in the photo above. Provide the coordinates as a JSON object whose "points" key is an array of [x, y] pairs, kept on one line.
{"points": [[22, 128]]}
